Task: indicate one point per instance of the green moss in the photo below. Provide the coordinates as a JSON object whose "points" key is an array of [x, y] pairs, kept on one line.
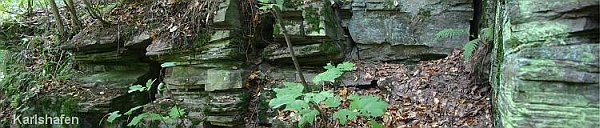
{"points": [[538, 31], [202, 38], [328, 47], [426, 13], [292, 4], [331, 24], [588, 57], [276, 29], [313, 20]]}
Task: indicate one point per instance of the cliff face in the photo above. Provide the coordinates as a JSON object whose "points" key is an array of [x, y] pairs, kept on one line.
{"points": [[544, 57], [546, 63]]}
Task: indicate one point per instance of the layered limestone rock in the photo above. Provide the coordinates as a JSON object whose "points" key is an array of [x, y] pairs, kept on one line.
{"points": [[312, 30], [103, 62], [404, 30], [547, 63], [208, 78]]}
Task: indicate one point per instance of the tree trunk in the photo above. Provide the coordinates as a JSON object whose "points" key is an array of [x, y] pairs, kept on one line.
{"points": [[291, 49], [93, 12], [30, 7], [75, 20], [59, 23]]}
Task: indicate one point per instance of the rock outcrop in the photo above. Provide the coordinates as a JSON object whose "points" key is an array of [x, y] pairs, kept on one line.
{"points": [[403, 31], [547, 63]]}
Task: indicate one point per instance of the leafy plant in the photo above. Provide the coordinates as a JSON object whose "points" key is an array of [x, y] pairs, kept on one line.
{"points": [[267, 5], [470, 46], [175, 112], [307, 105], [112, 116], [333, 72], [367, 106], [294, 100], [450, 33], [141, 88]]}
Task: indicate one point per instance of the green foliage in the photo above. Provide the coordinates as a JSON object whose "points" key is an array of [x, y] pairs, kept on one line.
{"points": [[141, 88], [375, 124], [112, 116], [267, 5], [132, 110], [136, 88], [470, 46], [136, 120], [176, 112], [286, 95], [290, 96], [334, 101], [343, 115], [307, 116], [168, 64], [370, 106], [333, 72], [11, 9], [307, 104], [366, 106], [450, 33]]}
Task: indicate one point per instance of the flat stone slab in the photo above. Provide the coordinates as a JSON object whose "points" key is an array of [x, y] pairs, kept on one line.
{"points": [[218, 79]]}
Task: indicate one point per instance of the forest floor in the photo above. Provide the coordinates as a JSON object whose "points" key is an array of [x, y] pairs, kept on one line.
{"points": [[437, 93]]}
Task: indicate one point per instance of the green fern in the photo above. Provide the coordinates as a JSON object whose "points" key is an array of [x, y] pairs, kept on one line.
{"points": [[486, 33], [450, 33], [470, 47]]}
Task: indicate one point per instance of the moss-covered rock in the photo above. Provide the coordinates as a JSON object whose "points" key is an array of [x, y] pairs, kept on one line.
{"points": [[546, 70], [404, 24]]}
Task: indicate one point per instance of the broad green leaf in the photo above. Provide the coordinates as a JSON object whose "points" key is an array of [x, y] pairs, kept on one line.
{"points": [[333, 72], [329, 75], [149, 84], [136, 120], [112, 116], [264, 1], [286, 95], [354, 97], [264, 8], [326, 94], [293, 89], [308, 96], [154, 116], [168, 64], [308, 116], [333, 101], [133, 109], [279, 3], [344, 115], [318, 98], [329, 66], [176, 112], [160, 88], [375, 124], [136, 88], [296, 105], [282, 100], [346, 66], [370, 106]]}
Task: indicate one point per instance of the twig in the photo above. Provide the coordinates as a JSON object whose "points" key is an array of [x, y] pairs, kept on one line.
{"points": [[290, 48]]}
